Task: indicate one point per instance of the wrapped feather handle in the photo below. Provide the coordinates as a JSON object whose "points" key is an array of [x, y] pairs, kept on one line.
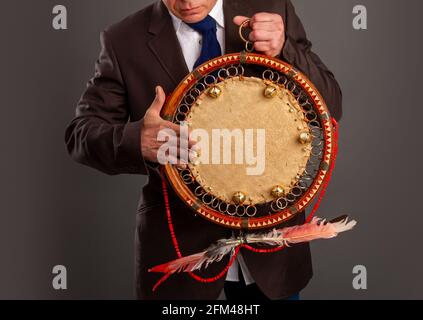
{"points": [[316, 229]]}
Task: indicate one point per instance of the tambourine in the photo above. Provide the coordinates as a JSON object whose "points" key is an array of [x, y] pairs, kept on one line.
{"points": [[248, 95]]}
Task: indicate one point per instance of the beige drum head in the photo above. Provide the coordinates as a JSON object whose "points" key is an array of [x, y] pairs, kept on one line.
{"points": [[241, 107]]}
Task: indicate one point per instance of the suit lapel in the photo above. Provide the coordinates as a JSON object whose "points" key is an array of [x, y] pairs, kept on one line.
{"points": [[165, 45]]}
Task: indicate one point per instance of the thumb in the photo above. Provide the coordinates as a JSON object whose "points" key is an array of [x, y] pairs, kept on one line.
{"points": [[159, 100], [238, 20]]}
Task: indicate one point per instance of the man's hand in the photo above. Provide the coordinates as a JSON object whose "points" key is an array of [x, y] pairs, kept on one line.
{"points": [[268, 32], [153, 124]]}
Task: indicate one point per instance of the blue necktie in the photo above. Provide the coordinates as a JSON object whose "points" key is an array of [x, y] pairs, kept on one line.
{"points": [[210, 48]]}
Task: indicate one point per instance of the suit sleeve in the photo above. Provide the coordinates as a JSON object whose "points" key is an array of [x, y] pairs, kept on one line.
{"points": [[101, 135], [297, 52]]}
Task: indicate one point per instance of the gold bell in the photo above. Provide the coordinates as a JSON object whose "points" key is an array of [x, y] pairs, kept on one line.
{"points": [[277, 192], [305, 137], [214, 92], [239, 198], [270, 92]]}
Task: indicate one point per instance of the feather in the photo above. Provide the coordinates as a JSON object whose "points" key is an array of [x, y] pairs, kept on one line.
{"points": [[272, 238], [214, 253], [183, 264], [316, 229]]}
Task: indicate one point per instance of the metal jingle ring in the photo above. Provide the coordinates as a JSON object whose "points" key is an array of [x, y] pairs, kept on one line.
{"points": [[182, 113], [189, 102], [264, 75], [185, 106], [313, 132], [314, 124], [279, 76], [293, 83], [240, 214], [186, 176], [249, 46], [307, 106], [317, 155], [187, 179], [220, 209], [241, 27], [316, 142], [220, 76], [315, 160], [311, 115], [179, 169], [195, 91], [178, 116], [273, 208], [254, 211], [316, 151], [215, 204], [311, 175], [308, 177], [228, 209], [209, 76], [298, 193], [296, 92], [202, 85], [292, 196], [285, 82], [207, 202], [302, 184], [302, 96], [184, 172], [242, 70], [228, 72], [279, 203], [199, 194], [189, 182]]}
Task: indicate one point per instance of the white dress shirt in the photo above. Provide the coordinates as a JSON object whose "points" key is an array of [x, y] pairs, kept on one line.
{"points": [[190, 41]]}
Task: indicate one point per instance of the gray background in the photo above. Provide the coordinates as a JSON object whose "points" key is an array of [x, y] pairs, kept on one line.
{"points": [[54, 211]]}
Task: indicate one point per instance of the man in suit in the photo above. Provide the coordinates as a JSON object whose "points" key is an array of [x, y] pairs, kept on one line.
{"points": [[118, 117]]}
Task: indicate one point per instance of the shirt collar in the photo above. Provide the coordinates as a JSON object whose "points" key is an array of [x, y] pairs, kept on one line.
{"points": [[216, 13]]}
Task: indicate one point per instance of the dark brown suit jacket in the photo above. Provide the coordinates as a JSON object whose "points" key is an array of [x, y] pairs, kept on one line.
{"points": [[137, 54]]}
